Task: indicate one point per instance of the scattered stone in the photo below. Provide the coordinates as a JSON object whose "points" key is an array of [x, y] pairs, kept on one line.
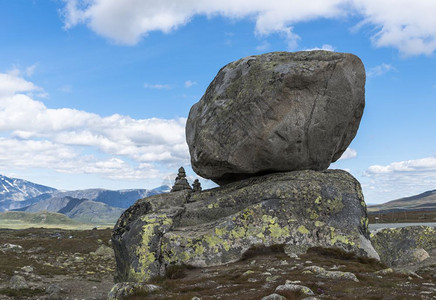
{"points": [[124, 289], [195, 298], [196, 186], [27, 269], [246, 273], [11, 248], [276, 112], [419, 255], [385, 271], [104, 252], [405, 245], [54, 291], [323, 273], [181, 183], [286, 288], [274, 297], [428, 284], [335, 267], [17, 282], [292, 255], [410, 274], [36, 250], [272, 278]]}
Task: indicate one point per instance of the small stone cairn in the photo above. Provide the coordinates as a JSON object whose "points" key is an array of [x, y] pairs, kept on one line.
{"points": [[181, 183], [196, 186]]}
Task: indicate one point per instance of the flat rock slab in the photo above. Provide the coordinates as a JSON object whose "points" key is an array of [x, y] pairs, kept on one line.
{"points": [[276, 112], [295, 210]]}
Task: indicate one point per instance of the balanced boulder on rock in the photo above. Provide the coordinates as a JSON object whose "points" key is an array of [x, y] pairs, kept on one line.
{"points": [[276, 112]]}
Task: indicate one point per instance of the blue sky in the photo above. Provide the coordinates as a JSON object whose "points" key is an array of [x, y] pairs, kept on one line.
{"points": [[96, 93]]}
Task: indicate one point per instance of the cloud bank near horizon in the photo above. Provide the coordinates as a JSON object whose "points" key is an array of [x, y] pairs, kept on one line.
{"points": [[73, 141], [409, 26]]}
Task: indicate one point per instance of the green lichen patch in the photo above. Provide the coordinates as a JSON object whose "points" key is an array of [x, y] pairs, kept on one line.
{"points": [[148, 250]]}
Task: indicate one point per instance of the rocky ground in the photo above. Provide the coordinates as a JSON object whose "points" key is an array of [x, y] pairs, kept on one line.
{"points": [[60, 264], [55, 264]]}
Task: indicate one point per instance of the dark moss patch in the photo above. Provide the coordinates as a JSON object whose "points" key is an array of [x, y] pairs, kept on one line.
{"points": [[21, 293], [262, 250], [177, 271]]}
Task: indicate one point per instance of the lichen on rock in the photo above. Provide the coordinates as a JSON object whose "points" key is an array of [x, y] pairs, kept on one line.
{"points": [[218, 226], [402, 246], [276, 112]]}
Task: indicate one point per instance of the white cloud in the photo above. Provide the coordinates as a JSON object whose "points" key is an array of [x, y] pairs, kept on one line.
{"points": [[263, 47], [157, 86], [326, 47], [189, 83], [349, 153], [35, 136], [30, 70], [380, 70], [11, 84], [408, 25], [427, 164], [400, 179], [128, 21], [17, 71]]}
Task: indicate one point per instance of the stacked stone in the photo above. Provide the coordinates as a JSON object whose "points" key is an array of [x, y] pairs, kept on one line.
{"points": [[181, 183]]}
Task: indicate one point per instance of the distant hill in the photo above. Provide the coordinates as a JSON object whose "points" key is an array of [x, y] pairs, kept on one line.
{"points": [[18, 193], [422, 202], [15, 192], [42, 218], [81, 210], [119, 198]]}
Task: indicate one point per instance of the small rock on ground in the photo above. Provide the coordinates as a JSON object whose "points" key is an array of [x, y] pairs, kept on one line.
{"points": [[294, 288], [18, 282], [274, 297], [323, 273]]}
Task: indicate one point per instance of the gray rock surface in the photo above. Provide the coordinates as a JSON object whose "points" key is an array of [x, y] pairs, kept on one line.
{"points": [[18, 282], [274, 297], [296, 210], [124, 289], [405, 245], [278, 111], [289, 287], [323, 273]]}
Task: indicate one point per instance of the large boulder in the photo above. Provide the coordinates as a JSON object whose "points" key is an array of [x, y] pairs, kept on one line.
{"points": [[405, 245], [294, 210], [276, 112]]}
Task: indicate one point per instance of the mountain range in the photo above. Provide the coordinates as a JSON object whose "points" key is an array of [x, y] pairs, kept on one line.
{"points": [[101, 206], [423, 202], [96, 206]]}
